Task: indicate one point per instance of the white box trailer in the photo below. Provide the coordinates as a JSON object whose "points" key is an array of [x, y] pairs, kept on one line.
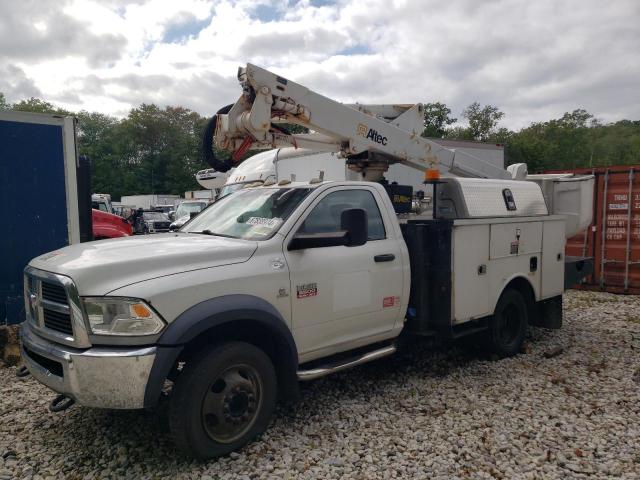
{"points": [[200, 195], [44, 189], [148, 201], [289, 164]]}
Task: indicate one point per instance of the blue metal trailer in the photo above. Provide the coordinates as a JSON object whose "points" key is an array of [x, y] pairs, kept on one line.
{"points": [[40, 181]]}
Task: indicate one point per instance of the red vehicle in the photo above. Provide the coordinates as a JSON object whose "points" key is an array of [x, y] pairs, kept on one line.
{"points": [[108, 225]]}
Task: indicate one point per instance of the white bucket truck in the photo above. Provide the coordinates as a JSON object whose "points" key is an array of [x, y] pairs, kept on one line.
{"points": [[289, 281]]}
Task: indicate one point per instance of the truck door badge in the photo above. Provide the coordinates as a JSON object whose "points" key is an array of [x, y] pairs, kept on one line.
{"points": [[390, 301], [282, 293], [307, 290]]}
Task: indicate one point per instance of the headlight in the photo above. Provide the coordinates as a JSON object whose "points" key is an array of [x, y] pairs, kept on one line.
{"points": [[121, 316]]}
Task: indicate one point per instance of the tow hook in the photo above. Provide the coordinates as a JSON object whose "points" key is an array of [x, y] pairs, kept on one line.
{"points": [[61, 403], [22, 372]]}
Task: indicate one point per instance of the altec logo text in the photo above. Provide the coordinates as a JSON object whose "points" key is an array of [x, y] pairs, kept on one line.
{"points": [[371, 134]]}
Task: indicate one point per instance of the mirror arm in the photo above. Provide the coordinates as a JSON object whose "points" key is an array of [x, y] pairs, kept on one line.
{"points": [[316, 240]]}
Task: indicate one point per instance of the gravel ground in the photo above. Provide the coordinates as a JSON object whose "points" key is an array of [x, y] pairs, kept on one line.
{"points": [[424, 413]]}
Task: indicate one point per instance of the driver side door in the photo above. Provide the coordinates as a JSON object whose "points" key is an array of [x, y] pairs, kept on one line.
{"points": [[342, 294]]}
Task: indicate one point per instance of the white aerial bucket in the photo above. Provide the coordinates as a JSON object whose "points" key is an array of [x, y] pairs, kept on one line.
{"points": [[569, 195]]}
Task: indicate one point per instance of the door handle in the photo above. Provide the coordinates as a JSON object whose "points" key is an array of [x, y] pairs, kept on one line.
{"points": [[386, 257]]}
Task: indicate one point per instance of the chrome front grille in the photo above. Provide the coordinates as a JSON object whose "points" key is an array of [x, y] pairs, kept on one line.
{"points": [[54, 293], [53, 308], [60, 322]]}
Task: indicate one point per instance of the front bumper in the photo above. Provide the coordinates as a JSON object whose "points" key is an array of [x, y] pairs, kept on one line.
{"points": [[102, 377]]}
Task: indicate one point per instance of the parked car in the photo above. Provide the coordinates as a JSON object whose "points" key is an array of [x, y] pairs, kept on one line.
{"points": [[155, 222], [186, 210], [102, 201], [124, 211], [108, 225], [163, 208]]}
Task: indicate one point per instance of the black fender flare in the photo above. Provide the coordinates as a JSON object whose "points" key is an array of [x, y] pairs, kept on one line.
{"points": [[209, 314]]}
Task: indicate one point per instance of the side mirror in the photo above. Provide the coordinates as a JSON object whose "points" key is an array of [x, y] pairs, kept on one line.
{"points": [[172, 215], [354, 222], [354, 233]]}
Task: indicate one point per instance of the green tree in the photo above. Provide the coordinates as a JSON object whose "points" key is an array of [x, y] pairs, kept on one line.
{"points": [[579, 118], [458, 133], [577, 139], [97, 140], [37, 105], [437, 118], [293, 128], [616, 144], [160, 148], [482, 120], [501, 135]]}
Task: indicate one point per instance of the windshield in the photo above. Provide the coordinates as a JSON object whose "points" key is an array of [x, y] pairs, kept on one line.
{"points": [[157, 216], [185, 209], [251, 214], [99, 206], [163, 208], [231, 188]]}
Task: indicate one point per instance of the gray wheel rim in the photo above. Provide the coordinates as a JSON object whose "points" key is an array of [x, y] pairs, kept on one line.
{"points": [[231, 403]]}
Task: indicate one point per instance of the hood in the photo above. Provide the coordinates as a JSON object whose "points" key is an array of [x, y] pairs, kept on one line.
{"points": [[103, 266]]}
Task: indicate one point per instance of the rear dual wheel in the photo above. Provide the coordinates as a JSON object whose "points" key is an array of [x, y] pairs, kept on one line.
{"points": [[508, 325], [222, 399]]}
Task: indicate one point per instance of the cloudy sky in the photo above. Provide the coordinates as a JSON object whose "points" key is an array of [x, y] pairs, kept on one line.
{"points": [[535, 59]]}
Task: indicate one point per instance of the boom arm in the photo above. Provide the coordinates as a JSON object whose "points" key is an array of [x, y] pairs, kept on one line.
{"points": [[371, 137]]}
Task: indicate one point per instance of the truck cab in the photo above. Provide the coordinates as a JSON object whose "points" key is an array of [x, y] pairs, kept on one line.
{"points": [[256, 169], [102, 202], [185, 211], [109, 225]]}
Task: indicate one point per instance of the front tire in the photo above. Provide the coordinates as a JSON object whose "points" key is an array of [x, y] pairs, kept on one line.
{"points": [[222, 399], [508, 325]]}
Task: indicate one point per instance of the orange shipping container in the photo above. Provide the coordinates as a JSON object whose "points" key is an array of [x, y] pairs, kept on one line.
{"points": [[613, 239]]}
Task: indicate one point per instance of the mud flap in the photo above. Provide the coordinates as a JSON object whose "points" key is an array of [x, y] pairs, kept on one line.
{"points": [[576, 270], [548, 313]]}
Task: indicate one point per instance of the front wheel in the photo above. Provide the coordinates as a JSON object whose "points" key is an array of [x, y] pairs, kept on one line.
{"points": [[508, 325], [222, 399]]}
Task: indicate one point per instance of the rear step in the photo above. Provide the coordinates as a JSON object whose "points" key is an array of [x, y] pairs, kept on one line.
{"points": [[321, 371]]}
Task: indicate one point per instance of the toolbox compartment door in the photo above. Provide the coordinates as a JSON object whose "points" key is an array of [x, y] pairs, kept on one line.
{"points": [[470, 275], [517, 238]]}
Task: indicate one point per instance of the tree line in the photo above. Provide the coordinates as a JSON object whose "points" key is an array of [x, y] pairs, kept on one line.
{"points": [[151, 150], [577, 139], [158, 150]]}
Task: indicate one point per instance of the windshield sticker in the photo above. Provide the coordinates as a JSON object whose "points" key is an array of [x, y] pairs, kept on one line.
{"points": [[264, 222]]}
